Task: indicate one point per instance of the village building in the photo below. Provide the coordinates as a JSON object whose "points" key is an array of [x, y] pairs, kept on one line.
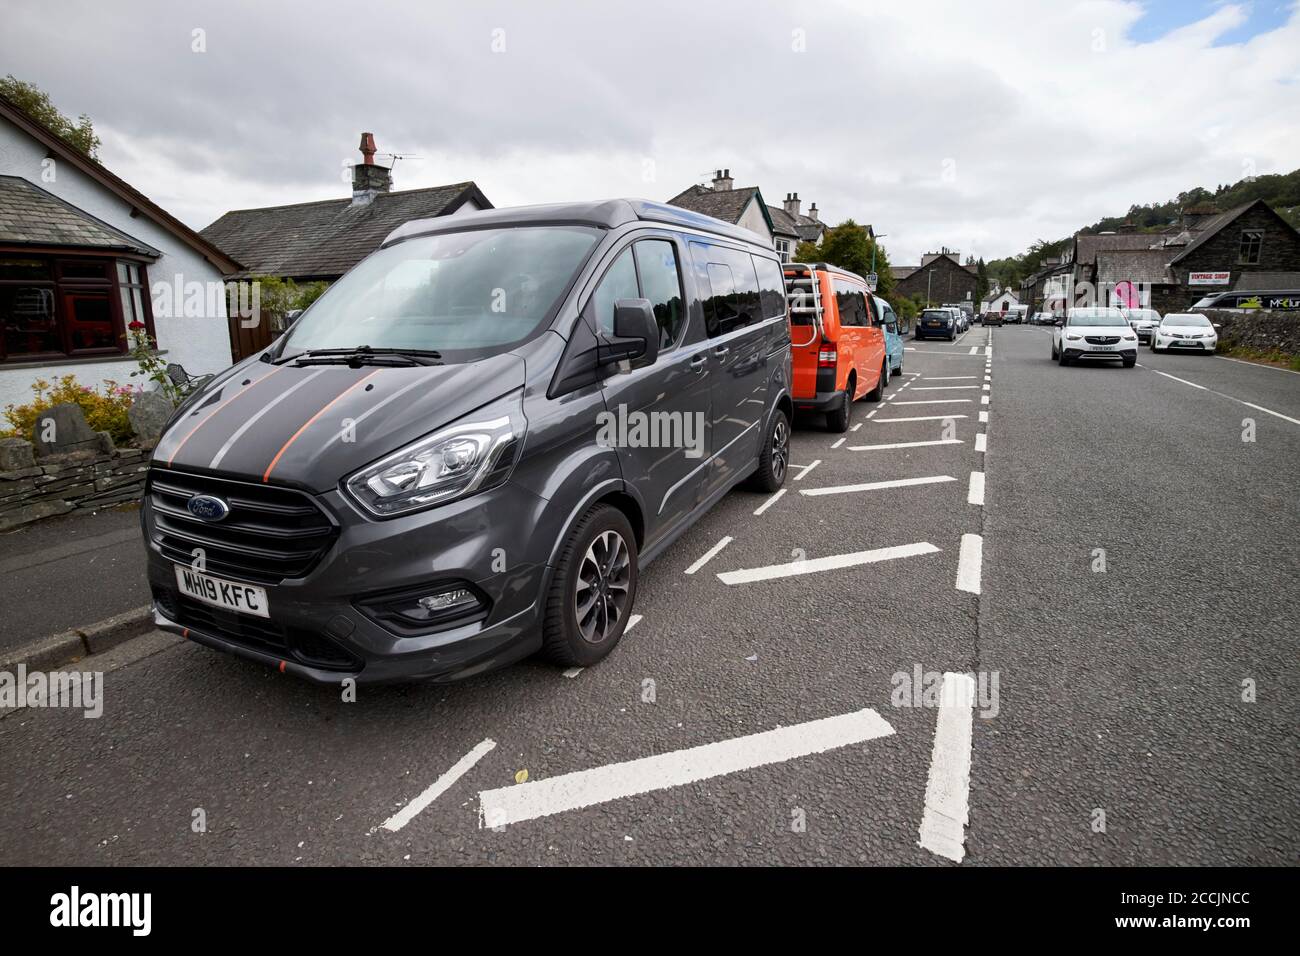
{"points": [[941, 277]]}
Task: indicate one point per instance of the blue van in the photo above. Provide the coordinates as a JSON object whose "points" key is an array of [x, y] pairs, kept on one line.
{"points": [[894, 332]]}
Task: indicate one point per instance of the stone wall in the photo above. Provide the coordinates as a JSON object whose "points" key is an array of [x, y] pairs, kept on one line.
{"points": [[1265, 331], [59, 484]]}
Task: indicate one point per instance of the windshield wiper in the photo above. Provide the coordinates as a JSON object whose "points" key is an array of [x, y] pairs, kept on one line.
{"points": [[364, 354]]}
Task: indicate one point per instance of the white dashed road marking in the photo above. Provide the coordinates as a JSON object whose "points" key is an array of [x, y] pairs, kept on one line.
{"points": [[585, 788], [947, 790], [906, 444], [833, 562], [876, 485], [969, 560], [975, 494], [981, 442]]}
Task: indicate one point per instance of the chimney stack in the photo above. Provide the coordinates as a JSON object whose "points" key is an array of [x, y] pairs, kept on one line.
{"points": [[368, 179], [722, 181], [812, 213], [791, 205]]}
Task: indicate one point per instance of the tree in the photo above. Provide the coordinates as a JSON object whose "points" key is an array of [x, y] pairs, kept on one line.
{"points": [[981, 280], [850, 247], [36, 103]]}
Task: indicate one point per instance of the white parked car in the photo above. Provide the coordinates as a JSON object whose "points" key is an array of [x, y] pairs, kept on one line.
{"points": [[1185, 331], [1143, 322], [1094, 333]]}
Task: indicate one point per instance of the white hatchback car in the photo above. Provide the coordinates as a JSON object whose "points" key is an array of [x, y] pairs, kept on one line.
{"points": [[1185, 332], [1094, 333]]}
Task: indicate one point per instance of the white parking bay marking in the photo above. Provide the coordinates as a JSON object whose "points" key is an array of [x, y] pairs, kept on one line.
{"points": [[769, 502], [837, 444], [876, 485], [947, 789], [974, 349], [632, 622], [919, 418], [833, 562], [808, 468], [981, 442], [938, 401], [947, 378], [440, 786], [709, 555], [943, 388], [585, 788], [969, 561], [975, 494], [906, 444]]}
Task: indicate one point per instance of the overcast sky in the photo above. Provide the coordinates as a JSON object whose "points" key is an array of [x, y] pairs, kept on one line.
{"points": [[977, 125]]}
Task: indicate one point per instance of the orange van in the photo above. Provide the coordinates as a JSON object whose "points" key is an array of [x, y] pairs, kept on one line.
{"points": [[837, 341]]}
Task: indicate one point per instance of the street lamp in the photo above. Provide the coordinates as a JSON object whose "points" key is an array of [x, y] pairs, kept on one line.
{"points": [[928, 276], [874, 240]]}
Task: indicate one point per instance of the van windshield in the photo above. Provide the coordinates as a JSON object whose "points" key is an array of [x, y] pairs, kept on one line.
{"points": [[466, 295]]}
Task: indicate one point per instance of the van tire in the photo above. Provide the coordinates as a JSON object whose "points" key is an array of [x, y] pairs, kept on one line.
{"points": [[837, 420], [877, 393], [562, 640], [774, 460]]}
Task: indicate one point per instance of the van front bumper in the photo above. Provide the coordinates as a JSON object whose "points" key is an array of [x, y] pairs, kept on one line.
{"points": [[323, 626]]}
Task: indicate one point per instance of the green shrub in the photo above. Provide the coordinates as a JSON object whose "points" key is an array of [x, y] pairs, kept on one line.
{"points": [[105, 411]]}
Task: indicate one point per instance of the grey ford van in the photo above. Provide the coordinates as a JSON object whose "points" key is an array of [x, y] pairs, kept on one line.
{"points": [[469, 447]]}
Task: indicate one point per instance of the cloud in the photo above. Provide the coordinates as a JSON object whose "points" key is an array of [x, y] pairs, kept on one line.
{"points": [[977, 126]]}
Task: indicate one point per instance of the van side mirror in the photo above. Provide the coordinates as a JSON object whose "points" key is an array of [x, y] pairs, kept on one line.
{"points": [[1217, 325], [636, 334], [1059, 323]]}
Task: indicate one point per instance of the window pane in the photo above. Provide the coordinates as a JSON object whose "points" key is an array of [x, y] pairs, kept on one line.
{"points": [[619, 283], [90, 323], [771, 287], [138, 311], [127, 315], [27, 314], [24, 269], [122, 273], [656, 260], [83, 270], [731, 294]]}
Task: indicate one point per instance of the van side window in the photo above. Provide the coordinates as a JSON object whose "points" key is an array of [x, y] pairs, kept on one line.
{"points": [[656, 261], [848, 299], [771, 287], [619, 282], [729, 288]]}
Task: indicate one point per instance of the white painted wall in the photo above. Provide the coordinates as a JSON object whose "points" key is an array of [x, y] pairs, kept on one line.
{"points": [[200, 343], [999, 303], [753, 220]]}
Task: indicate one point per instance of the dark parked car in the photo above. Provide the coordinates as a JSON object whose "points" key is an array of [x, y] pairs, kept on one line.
{"points": [[991, 318], [936, 323], [470, 446]]}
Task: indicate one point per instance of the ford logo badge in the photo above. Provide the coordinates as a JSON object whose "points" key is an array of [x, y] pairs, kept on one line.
{"points": [[207, 508]]}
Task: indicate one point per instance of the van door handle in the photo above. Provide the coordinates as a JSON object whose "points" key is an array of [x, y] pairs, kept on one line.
{"points": [[697, 363], [721, 350]]}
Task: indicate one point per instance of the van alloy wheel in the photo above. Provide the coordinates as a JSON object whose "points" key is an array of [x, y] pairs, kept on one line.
{"points": [[780, 450], [600, 599]]}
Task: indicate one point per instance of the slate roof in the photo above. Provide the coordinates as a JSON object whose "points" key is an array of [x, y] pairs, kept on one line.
{"points": [[1134, 265], [31, 216], [1087, 247], [783, 224], [323, 240], [810, 231], [1207, 229], [902, 272], [725, 204]]}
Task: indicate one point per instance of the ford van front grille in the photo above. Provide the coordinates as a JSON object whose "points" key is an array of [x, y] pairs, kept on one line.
{"points": [[267, 533]]}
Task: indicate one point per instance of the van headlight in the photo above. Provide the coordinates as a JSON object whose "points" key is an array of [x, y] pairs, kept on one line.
{"points": [[457, 461]]}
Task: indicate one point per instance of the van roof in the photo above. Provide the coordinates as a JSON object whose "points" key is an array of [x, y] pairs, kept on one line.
{"points": [[821, 267], [605, 214]]}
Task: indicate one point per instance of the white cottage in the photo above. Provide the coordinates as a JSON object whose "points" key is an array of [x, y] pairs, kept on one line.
{"points": [[999, 301], [80, 252]]}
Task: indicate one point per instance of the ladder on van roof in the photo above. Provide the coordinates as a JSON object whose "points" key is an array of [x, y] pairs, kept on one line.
{"points": [[804, 294]]}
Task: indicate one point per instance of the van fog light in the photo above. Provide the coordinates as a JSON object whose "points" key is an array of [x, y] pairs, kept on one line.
{"points": [[418, 610], [436, 603]]}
